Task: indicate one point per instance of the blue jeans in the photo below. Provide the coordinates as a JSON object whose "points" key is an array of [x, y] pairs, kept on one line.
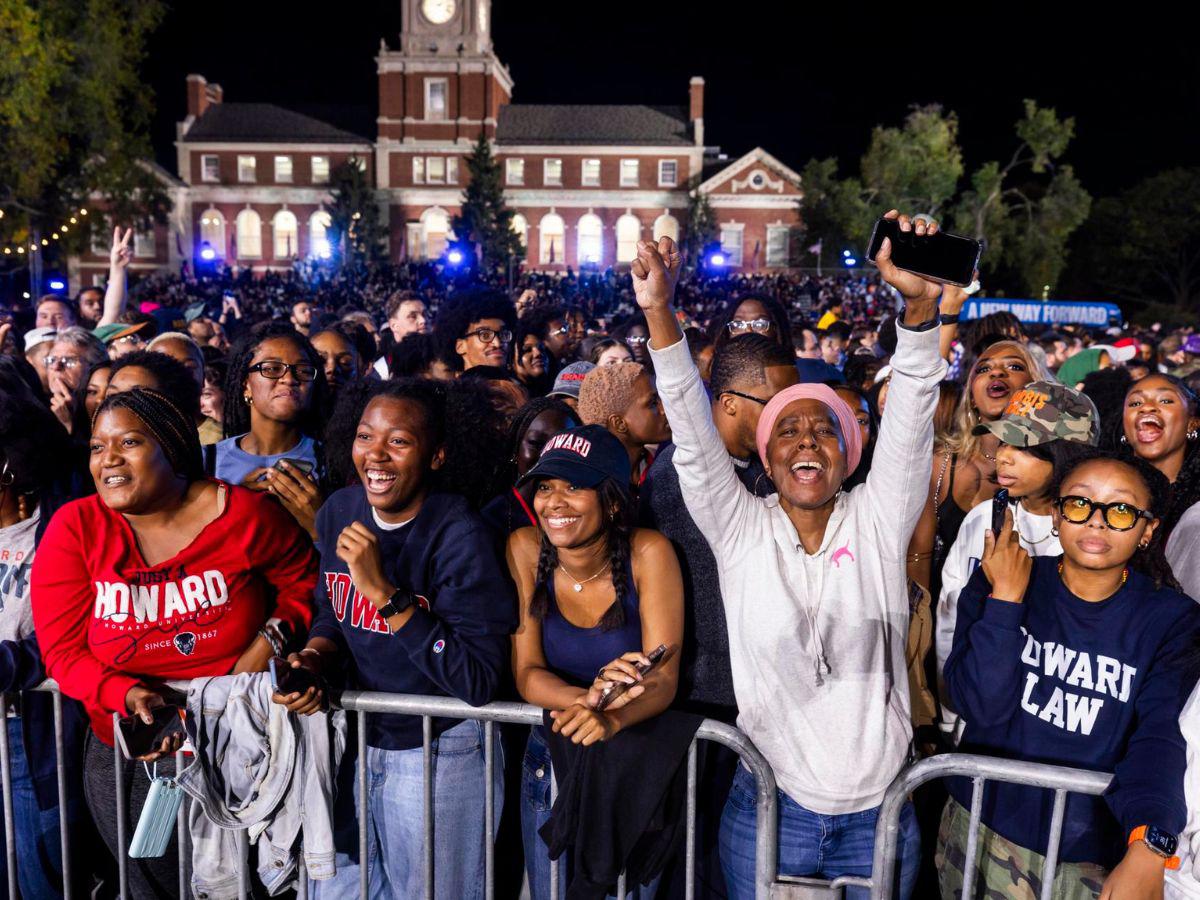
{"points": [[39, 848], [535, 812], [396, 831], [810, 844]]}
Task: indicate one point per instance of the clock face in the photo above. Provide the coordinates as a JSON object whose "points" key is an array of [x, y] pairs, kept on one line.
{"points": [[439, 12]]}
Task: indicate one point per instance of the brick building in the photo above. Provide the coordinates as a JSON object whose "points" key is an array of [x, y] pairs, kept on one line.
{"points": [[585, 182]]}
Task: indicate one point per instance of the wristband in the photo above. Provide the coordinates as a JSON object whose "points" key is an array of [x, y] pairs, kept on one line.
{"points": [[949, 318]]}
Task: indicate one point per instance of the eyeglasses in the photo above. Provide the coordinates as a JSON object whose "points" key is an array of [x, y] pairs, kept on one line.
{"points": [[558, 332], [66, 362], [276, 370], [758, 400], [741, 326], [636, 339], [1117, 516], [487, 335], [135, 339]]}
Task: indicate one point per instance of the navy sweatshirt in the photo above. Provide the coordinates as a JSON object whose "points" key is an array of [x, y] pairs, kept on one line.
{"points": [[456, 642], [1056, 679]]}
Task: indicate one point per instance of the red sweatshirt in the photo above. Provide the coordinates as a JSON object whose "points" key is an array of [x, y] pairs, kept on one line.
{"points": [[104, 619]]}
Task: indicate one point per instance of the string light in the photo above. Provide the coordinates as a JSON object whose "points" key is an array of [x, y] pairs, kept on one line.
{"points": [[54, 234]]}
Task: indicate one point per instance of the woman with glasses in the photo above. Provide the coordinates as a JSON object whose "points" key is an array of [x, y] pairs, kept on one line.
{"points": [[274, 404], [1082, 660], [754, 315]]}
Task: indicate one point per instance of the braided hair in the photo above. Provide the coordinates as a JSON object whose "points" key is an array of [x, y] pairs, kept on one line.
{"points": [[617, 534], [170, 426], [237, 410]]}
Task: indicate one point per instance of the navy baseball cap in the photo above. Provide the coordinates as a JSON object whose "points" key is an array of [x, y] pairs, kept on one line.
{"points": [[583, 456]]}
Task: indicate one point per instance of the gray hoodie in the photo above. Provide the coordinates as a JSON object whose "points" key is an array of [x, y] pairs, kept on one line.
{"points": [[836, 734]]}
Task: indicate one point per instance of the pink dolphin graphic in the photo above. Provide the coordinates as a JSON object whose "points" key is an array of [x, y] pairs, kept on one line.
{"points": [[836, 559]]}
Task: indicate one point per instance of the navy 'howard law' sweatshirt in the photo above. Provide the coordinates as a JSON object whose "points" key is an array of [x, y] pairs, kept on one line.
{"points": [[1056, 679], [456, 642]]}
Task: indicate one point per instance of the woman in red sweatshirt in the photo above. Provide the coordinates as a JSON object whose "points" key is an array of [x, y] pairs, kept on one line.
{"points": [[162, 575]]}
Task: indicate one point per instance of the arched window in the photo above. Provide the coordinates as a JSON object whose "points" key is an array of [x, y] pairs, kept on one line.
{"points": [[286, 240], [249, 235], [318, 239], [212, 231], [521, 227], [666, 225], [591, 238], [551, 233], [629, 232], [435, 232]]}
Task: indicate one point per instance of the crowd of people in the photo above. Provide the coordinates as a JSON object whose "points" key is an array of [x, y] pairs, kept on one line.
{"points": [[823, 509]]}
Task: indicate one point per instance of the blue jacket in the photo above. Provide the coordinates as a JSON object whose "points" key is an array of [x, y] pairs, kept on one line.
{"points": [[457, 641], [1056, 679]]}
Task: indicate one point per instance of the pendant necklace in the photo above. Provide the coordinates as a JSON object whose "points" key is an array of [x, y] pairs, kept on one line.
{"points": [[578, 585]]}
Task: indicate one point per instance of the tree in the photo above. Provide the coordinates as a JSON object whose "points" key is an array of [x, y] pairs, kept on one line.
{"points": [[830, 207], [484, 220], [702, 227], [74, 117], [1144, 245], [356, 234]]}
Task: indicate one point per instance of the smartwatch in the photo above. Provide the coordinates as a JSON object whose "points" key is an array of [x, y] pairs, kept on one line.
{"points": [[1161, 843], [397, 603]]}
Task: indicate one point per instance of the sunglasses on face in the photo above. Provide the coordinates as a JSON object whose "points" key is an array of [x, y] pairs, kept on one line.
{"points": [[487, 335], [1117, 516], [741, 326], [276, 370]]}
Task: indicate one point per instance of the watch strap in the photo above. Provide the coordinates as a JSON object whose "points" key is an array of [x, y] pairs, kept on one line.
{"points": [[948, 318], [1139, 834], [397, 603]]}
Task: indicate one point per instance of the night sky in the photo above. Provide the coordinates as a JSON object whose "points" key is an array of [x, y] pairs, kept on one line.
{"points": [[798, 80]]}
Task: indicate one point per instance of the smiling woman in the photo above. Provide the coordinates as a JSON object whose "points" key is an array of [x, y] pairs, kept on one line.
{"points": [[162, 574]]}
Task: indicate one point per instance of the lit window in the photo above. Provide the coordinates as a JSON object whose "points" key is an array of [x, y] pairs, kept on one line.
{"points": [[360, 163], [629, 173], [552, 172], [283, 227], [589, 174], [668, 171], [436, 91], [551, 234], [318, 237], [246, 167], [777, 245], [521, 227], [143, 243], [212, 230], [514, 171], [452, 170], [629, 232], [283, 169], [418, 170], [435, 225], [210, 167], [435, 169], [249, 235], [731, 244], [666, 225], [591, 237], [320, 169]]}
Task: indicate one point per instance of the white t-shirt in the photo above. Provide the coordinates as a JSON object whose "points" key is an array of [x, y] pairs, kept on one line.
{"points": [[16, 562]]}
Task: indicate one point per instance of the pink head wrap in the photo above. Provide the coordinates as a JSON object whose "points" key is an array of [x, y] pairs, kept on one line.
{"points": [[839, 407]]}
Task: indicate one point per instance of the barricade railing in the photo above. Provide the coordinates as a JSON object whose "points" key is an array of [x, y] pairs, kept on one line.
{"points": [[768, 883]]}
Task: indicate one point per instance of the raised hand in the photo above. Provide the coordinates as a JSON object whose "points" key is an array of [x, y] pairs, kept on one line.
{"points": [[121, 255], [1006, 563], [914, 288], [655, 273]]}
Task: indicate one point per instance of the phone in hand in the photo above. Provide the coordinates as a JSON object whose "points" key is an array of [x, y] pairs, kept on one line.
{"points": [[305, 466], [942, 257], [657, 657], [287, 680], [999, 508], [136, 738]]}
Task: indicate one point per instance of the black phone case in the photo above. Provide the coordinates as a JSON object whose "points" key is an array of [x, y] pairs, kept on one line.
{"points": [[999, 507], [138, 738], [964, 270]]}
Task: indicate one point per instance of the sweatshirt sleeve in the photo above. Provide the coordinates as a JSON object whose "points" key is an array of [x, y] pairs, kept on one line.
{"points": [[20, 665], [1148, 787], [955, 573], [718, 502], [1189, 726], [982, 674], [1181, 552], [898, 484], [63, 595], [461, 643], [282, 553]]}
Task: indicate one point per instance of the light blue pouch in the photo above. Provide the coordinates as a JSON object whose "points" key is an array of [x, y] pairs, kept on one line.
{"points": [[157, 821]]}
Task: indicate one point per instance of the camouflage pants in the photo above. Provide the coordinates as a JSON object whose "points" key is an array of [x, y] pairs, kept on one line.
{"points": [[1004, 870]]}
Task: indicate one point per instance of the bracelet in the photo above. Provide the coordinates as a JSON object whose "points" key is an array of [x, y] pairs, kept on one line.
{"points": [[917, 557], [949, 318], [276, 644]]}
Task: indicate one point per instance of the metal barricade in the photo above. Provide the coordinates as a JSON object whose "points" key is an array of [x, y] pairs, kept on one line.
{"points": [[1060, 779]]}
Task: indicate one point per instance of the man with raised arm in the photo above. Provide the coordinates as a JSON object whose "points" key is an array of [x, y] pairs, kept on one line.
{"points": [[813, 580]]}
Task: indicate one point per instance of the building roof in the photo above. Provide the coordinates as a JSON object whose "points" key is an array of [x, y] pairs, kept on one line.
{"points": [[592, 124], [265, 122]]}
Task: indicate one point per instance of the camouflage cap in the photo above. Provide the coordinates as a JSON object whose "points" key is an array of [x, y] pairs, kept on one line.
{"points": [[1045, 411]]}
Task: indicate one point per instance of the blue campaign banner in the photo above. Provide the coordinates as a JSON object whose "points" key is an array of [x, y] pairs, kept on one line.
{"points": [[1047, 312]]}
